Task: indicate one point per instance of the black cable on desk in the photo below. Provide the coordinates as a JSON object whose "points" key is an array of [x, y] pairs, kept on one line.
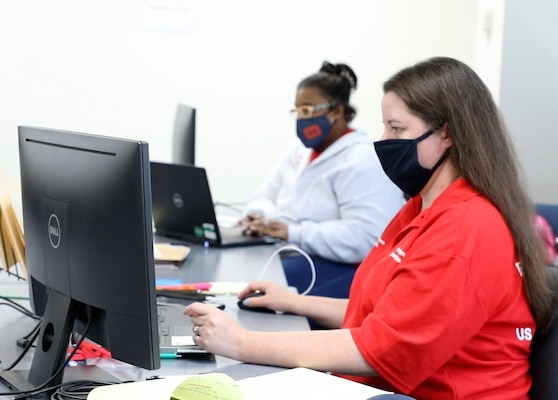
{"points": [[29, 340], [44, 387], [23, 341], [74, 390], [77, 390], [16, 306], [26, 344]]}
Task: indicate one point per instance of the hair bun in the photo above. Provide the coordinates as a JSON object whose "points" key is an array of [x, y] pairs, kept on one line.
{"points": [[343, 70]]}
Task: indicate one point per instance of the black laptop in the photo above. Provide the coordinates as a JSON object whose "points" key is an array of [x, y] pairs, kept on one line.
{"points": [[183, 208]]}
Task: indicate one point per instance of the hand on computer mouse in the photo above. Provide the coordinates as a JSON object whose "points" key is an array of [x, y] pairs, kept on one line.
{"points": [[277, 297], [244, 303]]}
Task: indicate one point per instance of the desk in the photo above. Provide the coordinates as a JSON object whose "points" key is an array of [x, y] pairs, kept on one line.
{"points": [[240, 264], [235, 264]]}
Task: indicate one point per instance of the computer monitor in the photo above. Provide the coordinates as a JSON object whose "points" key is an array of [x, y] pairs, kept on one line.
{"points": [[184, 135], [89, 250]]}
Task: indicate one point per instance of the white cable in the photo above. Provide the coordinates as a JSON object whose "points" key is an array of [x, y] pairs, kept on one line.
{"points": [[299, 250]]}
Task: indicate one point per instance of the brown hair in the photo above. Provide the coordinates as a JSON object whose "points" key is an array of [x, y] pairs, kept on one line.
{"points": [[443, 90]]}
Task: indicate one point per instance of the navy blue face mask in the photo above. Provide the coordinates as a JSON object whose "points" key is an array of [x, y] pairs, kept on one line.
{"points": [[399, 159], [313, 131]]}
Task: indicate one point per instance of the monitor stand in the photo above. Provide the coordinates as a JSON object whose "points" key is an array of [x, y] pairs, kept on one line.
{"points": [[51, 351]]}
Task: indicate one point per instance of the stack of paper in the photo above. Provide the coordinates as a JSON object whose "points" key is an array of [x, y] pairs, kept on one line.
{"points": [[303, 383], [291, 384]]}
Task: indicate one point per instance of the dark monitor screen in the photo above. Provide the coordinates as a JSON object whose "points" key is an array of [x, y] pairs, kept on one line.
{"points": [[184, 135], [89, 248]]}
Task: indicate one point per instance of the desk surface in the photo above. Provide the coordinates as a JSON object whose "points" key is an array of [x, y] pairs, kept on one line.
{"points": [[236, 264], [240, 264]]}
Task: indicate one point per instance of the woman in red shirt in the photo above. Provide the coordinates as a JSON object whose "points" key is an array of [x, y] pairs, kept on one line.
{"points": [[446, 304]]}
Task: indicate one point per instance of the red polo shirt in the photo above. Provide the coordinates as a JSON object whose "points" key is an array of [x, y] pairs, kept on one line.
{"points": [[438, 308]]}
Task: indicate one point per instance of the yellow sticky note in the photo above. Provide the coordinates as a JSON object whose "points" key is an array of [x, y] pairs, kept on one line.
{"points": [[214, 386]]}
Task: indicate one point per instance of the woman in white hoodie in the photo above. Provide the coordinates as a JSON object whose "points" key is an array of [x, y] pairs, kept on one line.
{"points": [[328, 194]]}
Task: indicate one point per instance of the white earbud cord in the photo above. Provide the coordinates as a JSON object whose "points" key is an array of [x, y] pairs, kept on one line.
{"points": [[299, 250]]}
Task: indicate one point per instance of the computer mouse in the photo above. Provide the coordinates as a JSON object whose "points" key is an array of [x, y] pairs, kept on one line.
{"points": [[243, 304]]}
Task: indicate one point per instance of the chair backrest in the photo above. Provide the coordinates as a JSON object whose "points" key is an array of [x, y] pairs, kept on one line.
{"points": [[548, 238], [550, 213], [544, 357]]}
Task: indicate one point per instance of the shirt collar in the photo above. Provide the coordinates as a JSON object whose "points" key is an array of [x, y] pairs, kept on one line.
{"points": [[315, 153]]}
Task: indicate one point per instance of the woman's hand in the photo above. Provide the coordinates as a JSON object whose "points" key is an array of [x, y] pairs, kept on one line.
{"points": [[215, 331], [275, 228], [276, 296], [252, 224], [257, 225]]}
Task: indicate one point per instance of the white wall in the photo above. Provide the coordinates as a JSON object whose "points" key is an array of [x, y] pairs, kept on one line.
{"points": [[518, 58], [90, 66], [489, 40], [529, 83]]}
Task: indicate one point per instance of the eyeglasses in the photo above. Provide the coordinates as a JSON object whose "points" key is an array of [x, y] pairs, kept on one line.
{"points": [[307, 111]]}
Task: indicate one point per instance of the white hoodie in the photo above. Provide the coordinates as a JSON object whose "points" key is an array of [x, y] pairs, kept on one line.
{"points": [[336, 206]]}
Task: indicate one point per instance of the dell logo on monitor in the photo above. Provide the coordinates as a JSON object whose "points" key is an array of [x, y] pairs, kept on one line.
{"points": [[54, 231]]}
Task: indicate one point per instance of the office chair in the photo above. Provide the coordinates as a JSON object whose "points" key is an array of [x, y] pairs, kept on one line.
{"points": [[544, 356], [550, 213]]}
